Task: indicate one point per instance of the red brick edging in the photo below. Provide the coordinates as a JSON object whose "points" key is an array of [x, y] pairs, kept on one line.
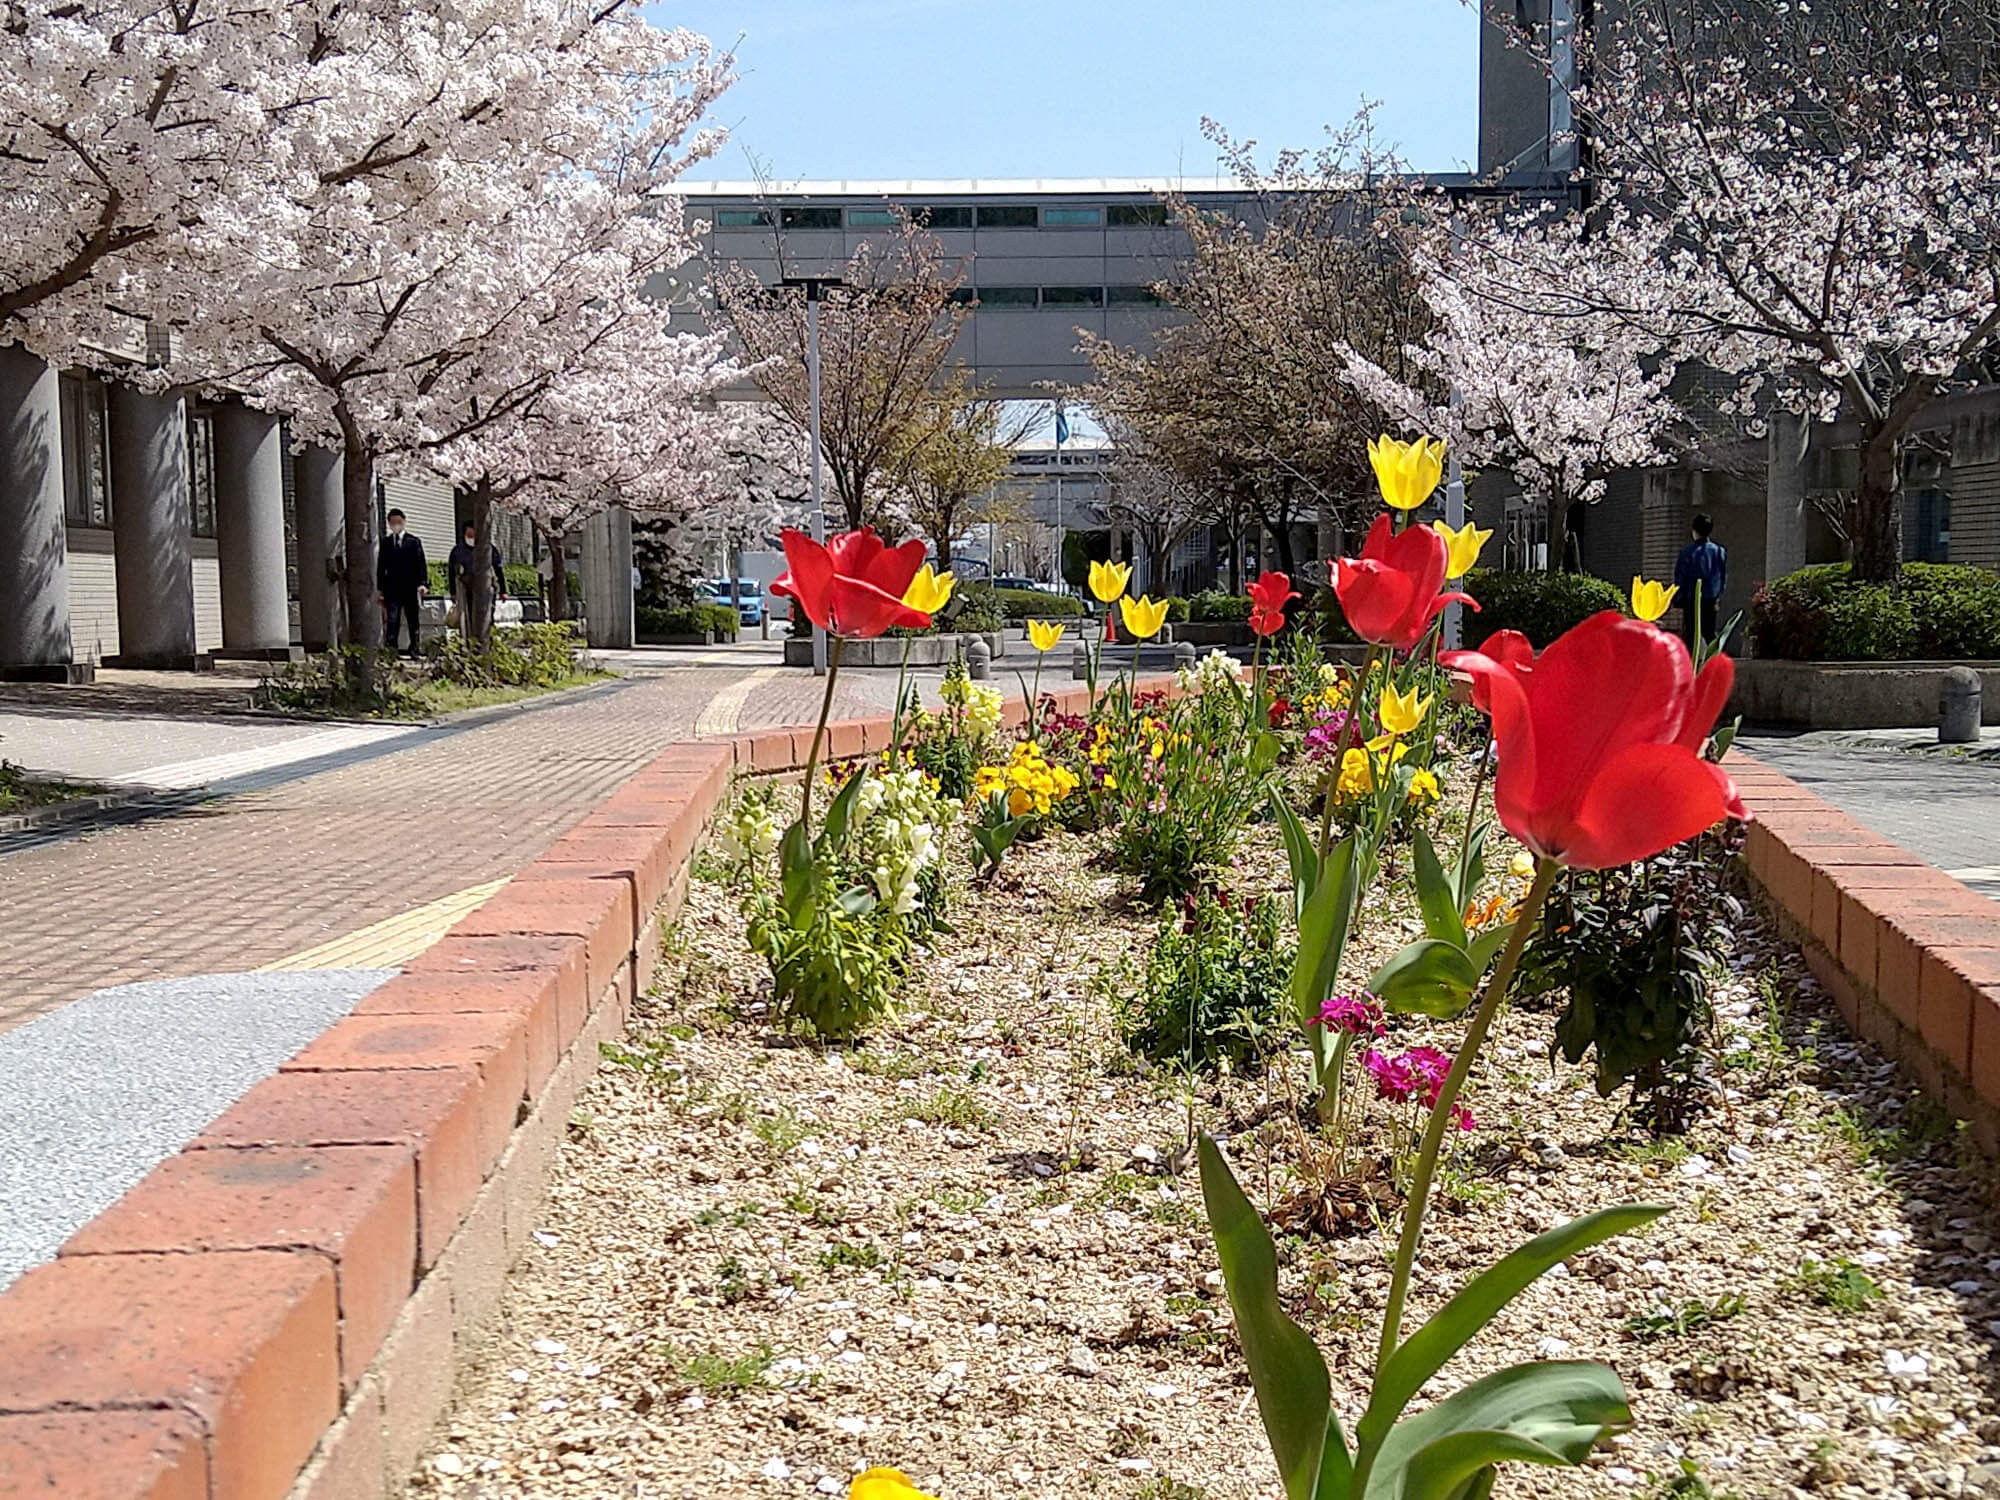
{"points": [[278, 1310], [1910, 955]]}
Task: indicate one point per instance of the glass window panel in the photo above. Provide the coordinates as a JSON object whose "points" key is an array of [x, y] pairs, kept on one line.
{"points": [[963, 294], [1138, 296], [870, 218], [742, 218], [947, 216], [201, 473], [86, 459], [1072, 217], [1006, 216], [1135, 215], [1072, 296], [1006, 296], [813, 216]]}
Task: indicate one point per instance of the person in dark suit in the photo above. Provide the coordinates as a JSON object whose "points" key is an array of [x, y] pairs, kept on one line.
{"points": [[1701, 573], [400, 575]]}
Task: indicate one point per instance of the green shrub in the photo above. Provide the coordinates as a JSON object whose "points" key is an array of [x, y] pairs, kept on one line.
{"points": [[979, 608], [690, 619], [1212, 982], [523, 582], [1031, 604], [538, 656], [1539, 605], [1177, 610], [1932, 612], [1219, 606]]}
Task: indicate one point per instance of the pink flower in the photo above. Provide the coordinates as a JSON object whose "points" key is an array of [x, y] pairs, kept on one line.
{"points": [[1428, 1067], [1393, 1079], [1357, 1015]]}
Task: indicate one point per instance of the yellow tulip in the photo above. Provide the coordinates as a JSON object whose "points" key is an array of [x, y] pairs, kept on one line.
{"points": [[1464, 544], [1108, 579], [1407, 472], [1402, 712], [928, 591], [1044, 634], [1650, 600], [884, 1484], [1143, 618]]}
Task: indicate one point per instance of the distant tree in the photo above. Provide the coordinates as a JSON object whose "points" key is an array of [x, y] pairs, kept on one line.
{"points": [[1153, 502], [953, 468]]}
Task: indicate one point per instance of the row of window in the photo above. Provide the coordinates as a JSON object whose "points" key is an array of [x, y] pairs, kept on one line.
{"points": [[949, 216], [86, 458], [1058, 296]]}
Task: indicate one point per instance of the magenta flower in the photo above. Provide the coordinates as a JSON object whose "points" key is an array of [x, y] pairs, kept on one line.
{"points": [[1393, 1077], [1357, 1015]]}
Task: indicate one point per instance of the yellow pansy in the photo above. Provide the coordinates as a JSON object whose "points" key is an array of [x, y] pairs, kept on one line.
{"points": [[1402, 712], [1464, 544], [1423, 786], [928, 591], [1108, 579], [1407, 472], [884, 1484], [1650, 600], [1143, 617], [1044, 634]]}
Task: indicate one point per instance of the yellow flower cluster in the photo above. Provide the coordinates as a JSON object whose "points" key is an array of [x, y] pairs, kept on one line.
{"points": [[1030, 782]]}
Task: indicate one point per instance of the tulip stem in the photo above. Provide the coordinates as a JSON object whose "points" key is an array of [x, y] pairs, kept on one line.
{"points": [[1340, 752], [1441, 1112], [895, 724], [819, 734], [1472, 819]]}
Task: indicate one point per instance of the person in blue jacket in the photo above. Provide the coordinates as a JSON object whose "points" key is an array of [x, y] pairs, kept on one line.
{"points": [[1700, 574]]}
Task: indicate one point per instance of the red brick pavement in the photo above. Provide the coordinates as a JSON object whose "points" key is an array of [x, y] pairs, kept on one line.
{"points": [[246, 880]]}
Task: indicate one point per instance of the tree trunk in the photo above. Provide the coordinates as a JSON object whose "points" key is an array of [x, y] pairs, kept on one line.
{"points": [[1878, 512], [558, 576], [476, 611], [1288, 560], [1235, 559], [357, 504], [942, 542]]}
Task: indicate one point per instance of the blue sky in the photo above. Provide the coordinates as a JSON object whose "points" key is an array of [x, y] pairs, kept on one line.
{"points": [[1103, 88]]}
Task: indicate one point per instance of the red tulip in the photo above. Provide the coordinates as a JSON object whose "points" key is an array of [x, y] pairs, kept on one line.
{"points": [[1600, 740], [1390, 594], [854, 585], [1267, 602]]}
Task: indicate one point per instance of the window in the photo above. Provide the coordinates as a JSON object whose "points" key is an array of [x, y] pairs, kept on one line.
{"points": [[1132, 296], [947, 216], [1072, 296], [1006, 216], [201, 472], [1072, 218], [86, 456], [743, 218], [813, 217], [1136, 215], [1006, 296], [963, 294], [870, 218], [1927, 526]]}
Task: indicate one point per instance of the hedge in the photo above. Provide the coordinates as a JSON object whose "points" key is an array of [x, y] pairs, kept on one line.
{"points": [[1539, 605], [692, 619], [1026, 604], [1932, 612], [523, 582], [1215, 605]]}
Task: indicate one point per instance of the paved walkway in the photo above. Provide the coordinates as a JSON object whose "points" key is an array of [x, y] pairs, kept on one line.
{"points": [[1945, 809]]}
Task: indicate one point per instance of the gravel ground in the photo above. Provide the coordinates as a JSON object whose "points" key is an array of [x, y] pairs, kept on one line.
{"points": [[973, 1249]]}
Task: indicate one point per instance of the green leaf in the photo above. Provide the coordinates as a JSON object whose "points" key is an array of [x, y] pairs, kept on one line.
{"points": [[1459, 1321], [1436, 896], [840, 810], [796, 873], [1286, 1371], [1298, 849], [1470, 872], [1483, 949], [1323, 935], [1429, 977], [1264, 751], [857, 901], [1543, 1413]]}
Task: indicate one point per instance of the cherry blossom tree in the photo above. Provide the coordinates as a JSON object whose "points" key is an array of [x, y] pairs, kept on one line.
{"points": [[757, 486]]}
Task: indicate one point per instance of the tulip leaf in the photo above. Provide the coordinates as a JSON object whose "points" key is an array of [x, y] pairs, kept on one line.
{"points": [[1323, 921], [1459, 1321], [1430, 977], [1437, 896], [841, 810], [1299, 849], [1549, 1413], [1294, 1396], [1264, 751], [1482, 949], [798, 875], [1470, 872]]}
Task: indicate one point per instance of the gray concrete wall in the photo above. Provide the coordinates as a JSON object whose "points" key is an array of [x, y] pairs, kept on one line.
{"points": [[1851, 695], [34, 584], [151, 527], [250, 529]]}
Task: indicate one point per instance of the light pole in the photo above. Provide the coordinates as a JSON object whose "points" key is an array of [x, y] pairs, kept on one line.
{"points": [[1454, 517], [816, 288]]}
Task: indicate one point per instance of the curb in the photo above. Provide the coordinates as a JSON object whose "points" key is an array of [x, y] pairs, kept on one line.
{"points": [[69, 811], [1910, 955], [278, 1312]]}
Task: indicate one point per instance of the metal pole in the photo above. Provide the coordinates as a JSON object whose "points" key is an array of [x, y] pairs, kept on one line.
{"points": [[1454, 517], [818, 511], [1060, 580]]}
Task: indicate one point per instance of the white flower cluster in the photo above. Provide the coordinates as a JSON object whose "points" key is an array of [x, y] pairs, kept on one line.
{"points": [[1212, 671], [982, 704], [899, 823], [751, 832]]}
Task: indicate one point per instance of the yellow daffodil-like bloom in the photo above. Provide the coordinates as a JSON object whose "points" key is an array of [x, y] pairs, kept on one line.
{"points": [[1143, 616], [1464, 544], [1031, 784], [1407, 472], [884, 1484], [1650, 600], [1402, 712], [1423, 788], [1108, 579], [1522, 865], [928, 591], [1044, 634]]}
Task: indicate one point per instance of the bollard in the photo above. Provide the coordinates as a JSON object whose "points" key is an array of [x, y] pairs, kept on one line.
{"points": [[1958, 707], [1079, 664], [978, 659], [1183, 655]]}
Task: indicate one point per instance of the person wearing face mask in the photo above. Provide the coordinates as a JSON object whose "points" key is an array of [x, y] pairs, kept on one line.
{"points": [[458, 572], [399, 582]]}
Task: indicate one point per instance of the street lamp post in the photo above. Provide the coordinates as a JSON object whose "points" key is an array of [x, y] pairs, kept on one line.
{"points": [[816, 288], [1454, 517]]}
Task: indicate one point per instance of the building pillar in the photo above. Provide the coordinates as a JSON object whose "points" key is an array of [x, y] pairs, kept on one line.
{"points": [[606, 568], [318, 474], [34, 564], [152, 530], [250, 533], [1785, 497]]}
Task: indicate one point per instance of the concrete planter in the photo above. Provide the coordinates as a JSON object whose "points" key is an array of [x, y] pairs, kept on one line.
{"points": [[925, 650], [1852, 694], [1215, 633], [678, 638]]}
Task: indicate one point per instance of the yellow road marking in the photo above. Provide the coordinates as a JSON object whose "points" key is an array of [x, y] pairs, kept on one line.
{"points": [[394, 941], [725, 709]]}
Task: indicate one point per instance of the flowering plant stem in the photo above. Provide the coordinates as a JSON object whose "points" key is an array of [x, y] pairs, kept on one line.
{"points": [[896, 725], [819, 733], [1354, 707], [1441, 1113]]}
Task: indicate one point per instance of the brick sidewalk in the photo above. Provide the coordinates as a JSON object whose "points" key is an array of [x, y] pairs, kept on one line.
{"points": [[242, 881]]}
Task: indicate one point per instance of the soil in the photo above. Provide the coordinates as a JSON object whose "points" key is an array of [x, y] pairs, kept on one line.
{"points": [[974, 1246]]}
